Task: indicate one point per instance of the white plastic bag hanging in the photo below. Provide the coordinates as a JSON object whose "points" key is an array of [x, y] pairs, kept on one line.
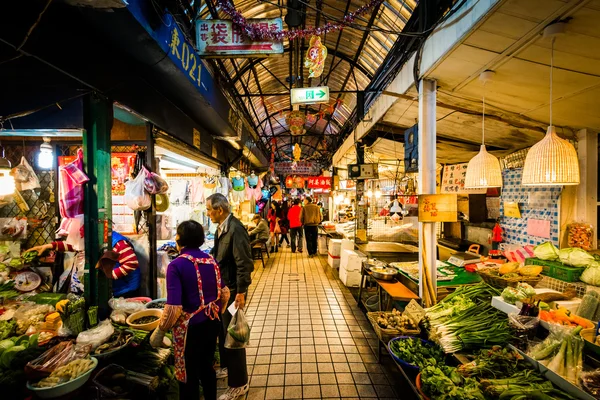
{"points": [[136, 196], [25, 177], [238, 332]]}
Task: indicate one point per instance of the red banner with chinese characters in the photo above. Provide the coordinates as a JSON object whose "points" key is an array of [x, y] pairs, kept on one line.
{"points": [[319, 182], [219, 37]]}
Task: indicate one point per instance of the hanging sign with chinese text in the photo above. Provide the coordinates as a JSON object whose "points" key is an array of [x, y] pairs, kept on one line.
{"points": [[438, 208], [312, 95], [319, 182], [221, 38]]}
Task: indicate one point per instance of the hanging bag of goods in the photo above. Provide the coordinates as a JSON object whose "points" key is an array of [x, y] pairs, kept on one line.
{"points": [[25, 177], [136, 196], [154, 183]]}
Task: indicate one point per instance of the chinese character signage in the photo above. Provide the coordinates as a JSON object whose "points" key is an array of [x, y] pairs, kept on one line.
{"points": [[453, 180], [221, 38], [438, 208], [311, 95], [319, 182], [297, 168]]}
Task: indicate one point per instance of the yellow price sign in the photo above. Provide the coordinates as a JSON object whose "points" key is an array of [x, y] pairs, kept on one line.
{"points": [[511, 209]]}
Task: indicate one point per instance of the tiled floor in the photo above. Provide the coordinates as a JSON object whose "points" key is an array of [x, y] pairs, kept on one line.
{"points": [[309, 339]]}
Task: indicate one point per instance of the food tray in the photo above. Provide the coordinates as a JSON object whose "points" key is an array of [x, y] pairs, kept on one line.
{"points": [[404, 364], [557, 270], [385, 335], [63, 388], [109, 354], [500, 282]]}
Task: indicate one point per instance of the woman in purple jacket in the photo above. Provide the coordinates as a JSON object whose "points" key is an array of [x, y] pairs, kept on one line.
{"points": [[195, 296]]}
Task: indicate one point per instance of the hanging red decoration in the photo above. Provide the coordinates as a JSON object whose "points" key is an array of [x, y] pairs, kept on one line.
{"points": [[296, 120], [256, 32], [315, 57], [311, 118]]}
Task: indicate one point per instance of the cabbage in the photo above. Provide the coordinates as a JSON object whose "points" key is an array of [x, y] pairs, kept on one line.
{"points": [[522, 291], [546, 251], [575, 257], [591, 275]]}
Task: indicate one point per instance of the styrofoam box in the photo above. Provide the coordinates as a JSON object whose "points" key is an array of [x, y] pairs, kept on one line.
{"points": [[335, 247], [346, 254], [333, 262], [355, 262], [350, 278], [322, 248], [347, 244]]}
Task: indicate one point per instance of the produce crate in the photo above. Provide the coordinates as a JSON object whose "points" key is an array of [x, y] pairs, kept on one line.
{"points": [[385, 335], [556, 269], [501, 282]]}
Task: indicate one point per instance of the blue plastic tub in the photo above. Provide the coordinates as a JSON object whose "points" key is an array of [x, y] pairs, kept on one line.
{"points": [[406, 366]]}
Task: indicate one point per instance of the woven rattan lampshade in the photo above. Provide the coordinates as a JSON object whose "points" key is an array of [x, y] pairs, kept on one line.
{"points": [[551, 161], [483, 171]]}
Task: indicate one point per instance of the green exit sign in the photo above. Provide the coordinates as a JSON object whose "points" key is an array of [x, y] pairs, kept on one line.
{"points": [[313, 95]]}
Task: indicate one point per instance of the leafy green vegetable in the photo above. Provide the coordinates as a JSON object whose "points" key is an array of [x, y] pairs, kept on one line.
{"points": [[9, 354], [575, 257], [465, 319], [7, 329], [546, 251], [591, 275], [446, 383], [29, 256], [522, 291], [415, 352]]}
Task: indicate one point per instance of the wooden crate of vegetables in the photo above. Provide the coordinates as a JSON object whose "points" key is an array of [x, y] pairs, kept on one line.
{"points": [[510, 274], [388, 325]]}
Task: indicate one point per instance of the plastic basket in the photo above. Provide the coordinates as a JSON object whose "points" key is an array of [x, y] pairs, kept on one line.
{"points": [[556, 269], [501, 282], [385, 335]]}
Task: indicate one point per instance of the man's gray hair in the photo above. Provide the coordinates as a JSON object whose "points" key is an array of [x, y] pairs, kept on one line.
{"points": [[217, 200]]}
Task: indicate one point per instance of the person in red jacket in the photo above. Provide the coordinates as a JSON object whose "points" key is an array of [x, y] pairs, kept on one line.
{"points": [[296, 225]]}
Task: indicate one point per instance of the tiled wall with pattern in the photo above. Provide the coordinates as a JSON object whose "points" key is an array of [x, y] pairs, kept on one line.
{"points": [[534, 202]]}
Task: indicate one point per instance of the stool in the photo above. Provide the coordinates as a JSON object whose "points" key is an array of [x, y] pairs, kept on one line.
{"points": [[257, 252]]}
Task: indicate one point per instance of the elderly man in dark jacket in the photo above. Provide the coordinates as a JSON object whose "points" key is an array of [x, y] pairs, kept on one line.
{"points": [[232, 253]]}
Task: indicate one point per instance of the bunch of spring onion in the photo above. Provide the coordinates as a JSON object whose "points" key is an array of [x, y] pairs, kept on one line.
{"points": [[465, 319]]}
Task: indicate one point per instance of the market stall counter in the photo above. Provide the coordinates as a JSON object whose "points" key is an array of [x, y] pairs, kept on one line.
{"points": [[389, 251]]}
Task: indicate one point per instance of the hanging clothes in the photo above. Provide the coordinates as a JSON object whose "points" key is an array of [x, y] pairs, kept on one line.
{"points": [[210, 186], [197, 190], [238, 194], [253, 188], [70, 200], [179, 190], [224, 186]]}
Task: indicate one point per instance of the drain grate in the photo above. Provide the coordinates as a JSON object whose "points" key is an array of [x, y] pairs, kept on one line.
{"points": [[293, 278]]}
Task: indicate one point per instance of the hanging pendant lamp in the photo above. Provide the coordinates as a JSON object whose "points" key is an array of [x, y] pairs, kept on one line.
{"points": [[483, 171], [552, 161]]}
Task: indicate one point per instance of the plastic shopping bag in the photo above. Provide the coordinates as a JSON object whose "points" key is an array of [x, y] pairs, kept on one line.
{"points": [[238, 332], [136, 196], [154, 183], [25, 177]]}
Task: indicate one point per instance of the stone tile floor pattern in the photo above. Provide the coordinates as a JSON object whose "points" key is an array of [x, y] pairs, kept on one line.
{"points": [[309, 339]]}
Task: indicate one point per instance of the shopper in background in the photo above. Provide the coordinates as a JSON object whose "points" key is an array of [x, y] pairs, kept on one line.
{"points": [[310, 217], [295, 225], [284, 224], [195, 294], [274, 216], [233, 254], [260, 234]]}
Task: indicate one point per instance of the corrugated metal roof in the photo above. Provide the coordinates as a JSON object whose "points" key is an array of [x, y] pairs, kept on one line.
{"points": [[346, 69]]}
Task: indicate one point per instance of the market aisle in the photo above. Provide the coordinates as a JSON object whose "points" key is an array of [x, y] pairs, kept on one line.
{"points": [[309, 339]]}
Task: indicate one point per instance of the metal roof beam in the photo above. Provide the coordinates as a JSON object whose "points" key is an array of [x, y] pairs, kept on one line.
{"points": [[335, 53]]}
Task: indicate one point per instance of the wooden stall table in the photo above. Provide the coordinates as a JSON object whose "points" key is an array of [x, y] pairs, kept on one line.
{"points": [[396, 290]]}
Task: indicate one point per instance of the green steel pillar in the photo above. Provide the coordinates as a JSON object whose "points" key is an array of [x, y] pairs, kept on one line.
{"points": [[98, 121]]}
